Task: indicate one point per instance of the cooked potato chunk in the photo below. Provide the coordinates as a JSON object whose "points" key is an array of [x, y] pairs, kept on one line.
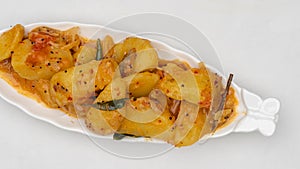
{"points": [[170, 87], [195, 132], [84, 55], [42, 88], [103, 122], [9, 41], [74, 87], [146, 56], [107, 43], [67, 39], [61, 89], [39, 64], [105, 73], [151, 129], [143, 83], [78, 84]]}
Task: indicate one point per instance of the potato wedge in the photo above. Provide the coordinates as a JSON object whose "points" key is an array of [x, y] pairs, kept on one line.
{"points": [[77, 85], [107, 43], [9, 40], [150, 129], [170, 87], [74, 87], [105, 73], [195, 132], [84, 55], [103, 122], [61, 89], [143, 83], [146, 56]]}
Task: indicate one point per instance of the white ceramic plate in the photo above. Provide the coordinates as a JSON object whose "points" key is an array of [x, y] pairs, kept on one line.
{"points": [[253, 112]]}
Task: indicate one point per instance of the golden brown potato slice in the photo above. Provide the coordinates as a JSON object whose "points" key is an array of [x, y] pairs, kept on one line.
{"points": [[146, 56], [9, 40], [77, 85], [204, 85], [87, 52], [105, 73], [143, 83], [170, 87], [151, 129], [84, 55], [107, 43], [34, 64], [74, 87], [67, 39], [117, 52], [195, 132], [103, 122], [61, 89]]}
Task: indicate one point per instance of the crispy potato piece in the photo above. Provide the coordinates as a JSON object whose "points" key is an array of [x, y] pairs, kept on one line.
{"points": [[87, 52], [68, 39], [195, 132], [170, 87], [146, 56], [105, 95], [9, 40], [143, 83], [103, 122], [182, 64], [42, 64], [105, 73], [84, 55], [150, 129], [61, 89], [47, 30], [77, 85], [42, 88], [107, 43], [74, 87], [117, 52], [204, 85]]}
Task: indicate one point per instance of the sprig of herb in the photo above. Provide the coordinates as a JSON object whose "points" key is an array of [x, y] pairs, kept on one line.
{"points": [[120, 136], [110, 105], [99, 55]]}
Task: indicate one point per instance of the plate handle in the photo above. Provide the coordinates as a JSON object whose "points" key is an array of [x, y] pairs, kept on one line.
{"points": [[261, 115]]}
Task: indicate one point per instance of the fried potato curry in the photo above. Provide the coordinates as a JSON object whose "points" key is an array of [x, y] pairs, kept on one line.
{"points": [[120, 89]]}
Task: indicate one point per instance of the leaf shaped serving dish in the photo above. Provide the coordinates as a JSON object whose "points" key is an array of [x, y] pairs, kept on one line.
{"points": [[253, 113]]}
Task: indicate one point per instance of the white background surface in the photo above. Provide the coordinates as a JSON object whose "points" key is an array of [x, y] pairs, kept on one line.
{"points": [[258, 40]]}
